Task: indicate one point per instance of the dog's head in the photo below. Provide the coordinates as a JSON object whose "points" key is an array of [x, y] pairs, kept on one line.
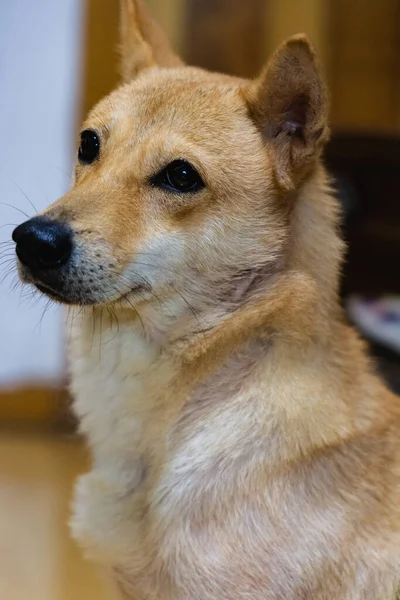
{"points": [[183, 177]]}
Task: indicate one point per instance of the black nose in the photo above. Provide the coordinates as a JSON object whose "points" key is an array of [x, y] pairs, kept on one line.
{"points": [[43, 243]]}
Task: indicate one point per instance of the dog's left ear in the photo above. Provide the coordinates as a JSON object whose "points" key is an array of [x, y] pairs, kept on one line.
{"points": [[289, 104], [143, 43]]}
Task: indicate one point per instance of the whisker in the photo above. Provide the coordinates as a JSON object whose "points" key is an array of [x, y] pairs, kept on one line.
{"points": [[71, 310], [22, 192], [136, 311], [15, 285], [93, 329], [7, 255], [7, 264], [28, 295], [148, 287], [112, 317], [32, 296], [69, 175], [192, 310], [38, 298], [14, 281], [101, 332], [9, 225], [7, 260], [15, 208], [7, 251], [9, 272], [18, 286], [46, 308]]}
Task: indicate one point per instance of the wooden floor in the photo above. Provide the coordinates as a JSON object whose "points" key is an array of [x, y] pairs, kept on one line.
{"points": [[38, 561]]}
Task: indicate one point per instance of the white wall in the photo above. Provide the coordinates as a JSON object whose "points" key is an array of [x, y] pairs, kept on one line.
{"points": [[40, 68]]}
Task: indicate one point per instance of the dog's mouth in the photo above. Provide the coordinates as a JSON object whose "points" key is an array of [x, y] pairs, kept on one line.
{"points": [[54, 295], [50, 284], [87, 298], [82, 282], [80, 288], [68, 269]]}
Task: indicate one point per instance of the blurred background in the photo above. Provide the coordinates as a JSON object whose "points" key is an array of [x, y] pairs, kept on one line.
{"points": [[57, 59]]}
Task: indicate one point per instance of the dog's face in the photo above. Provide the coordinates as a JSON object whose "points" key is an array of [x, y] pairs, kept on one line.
{"points": [[181, 178], [172, 182]]}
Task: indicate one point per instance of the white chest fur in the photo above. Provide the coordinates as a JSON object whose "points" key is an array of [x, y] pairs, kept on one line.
{"points": [[110, 367], [115, 375]]}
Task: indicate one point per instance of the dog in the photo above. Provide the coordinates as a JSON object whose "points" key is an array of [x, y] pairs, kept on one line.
{"points": [[243, 446]]}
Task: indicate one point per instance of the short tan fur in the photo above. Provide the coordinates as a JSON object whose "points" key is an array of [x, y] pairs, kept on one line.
{"points": [[243, 447]]}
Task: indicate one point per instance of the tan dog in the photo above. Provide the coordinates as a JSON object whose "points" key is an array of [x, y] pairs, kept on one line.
{"points": [[242, 446]]}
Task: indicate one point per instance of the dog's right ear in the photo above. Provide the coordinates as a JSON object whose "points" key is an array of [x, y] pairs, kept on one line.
{"points": [[143, 43]]}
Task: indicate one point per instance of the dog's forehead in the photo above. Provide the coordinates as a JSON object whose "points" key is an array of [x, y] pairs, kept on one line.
{"points": [[186, 98]]}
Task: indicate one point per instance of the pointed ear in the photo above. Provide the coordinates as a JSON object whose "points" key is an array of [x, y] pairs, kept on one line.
{"points": [[143, 43], [290, 105]]}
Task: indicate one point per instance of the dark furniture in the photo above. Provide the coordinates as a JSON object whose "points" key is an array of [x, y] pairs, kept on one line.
{"points": [[367, 174]]}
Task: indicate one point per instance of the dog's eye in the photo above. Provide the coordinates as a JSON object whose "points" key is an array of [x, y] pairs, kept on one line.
{"points": [[179, 177], [89, 147]]}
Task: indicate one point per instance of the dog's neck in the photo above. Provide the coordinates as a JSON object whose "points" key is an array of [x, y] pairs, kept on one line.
{"points": [[315, 246]]}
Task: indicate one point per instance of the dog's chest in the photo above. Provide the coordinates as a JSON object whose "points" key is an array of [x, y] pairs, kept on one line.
{"points": [[114, 377]]}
